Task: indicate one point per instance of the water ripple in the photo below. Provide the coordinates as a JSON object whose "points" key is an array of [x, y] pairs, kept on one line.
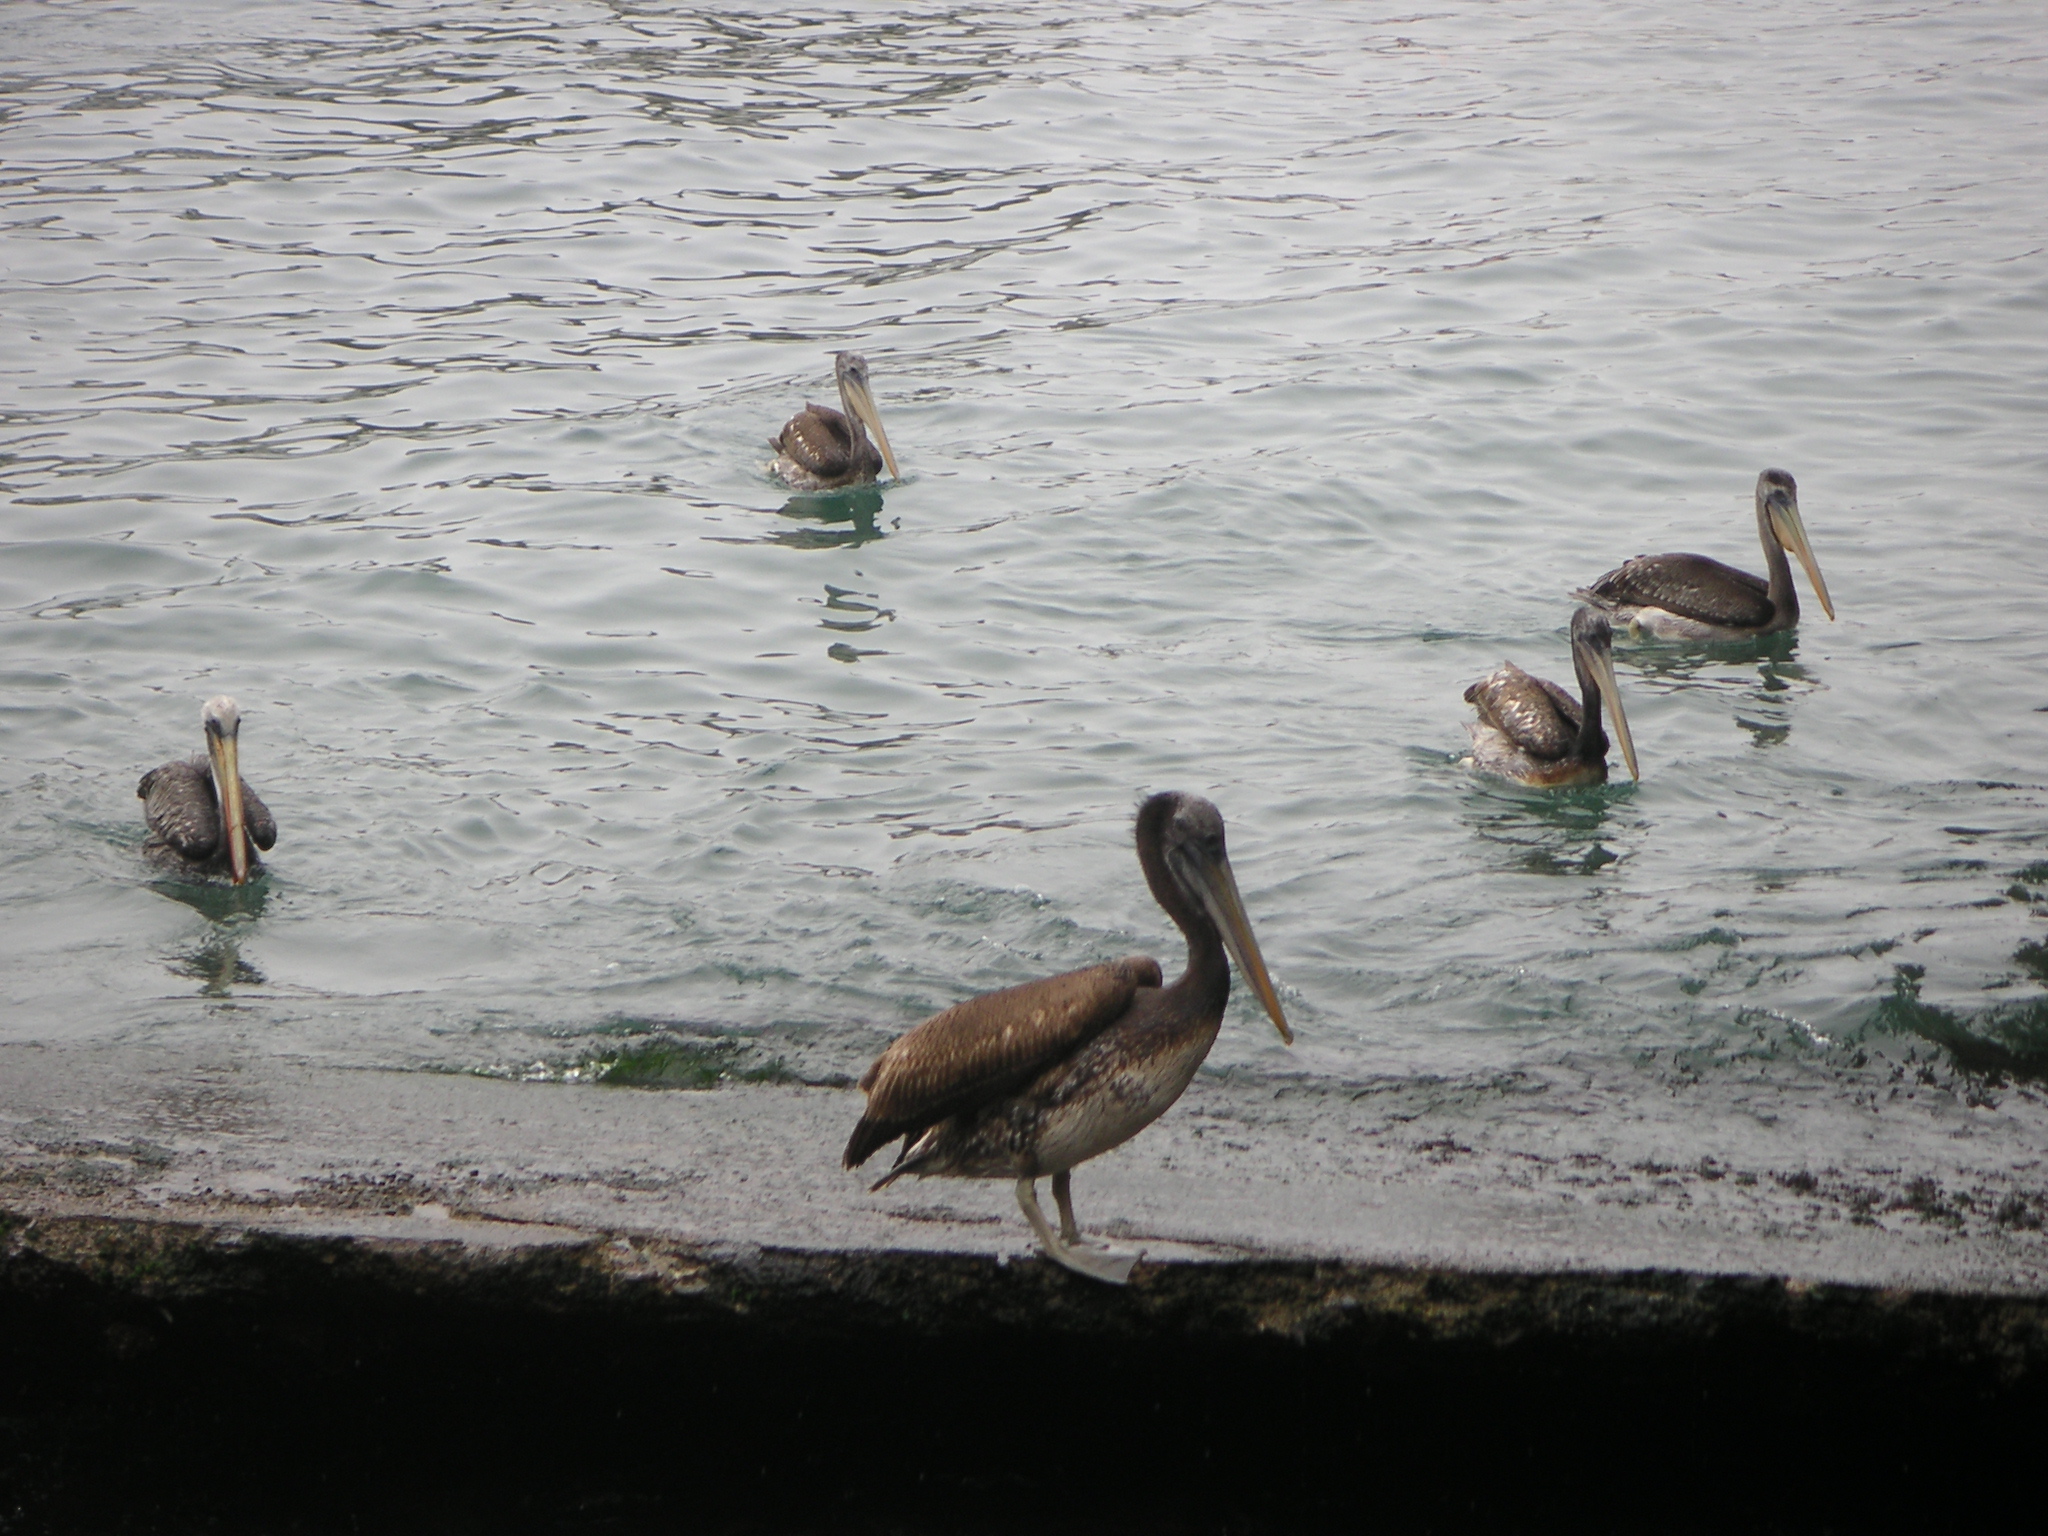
{"points": [[1263, 374]]}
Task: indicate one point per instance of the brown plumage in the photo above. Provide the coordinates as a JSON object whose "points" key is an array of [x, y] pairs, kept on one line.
{"points": [[822, 449], [989, 1046], [1532, 731], [1040, 1077], [1533, 712], [1691, 597], [1693, 587], [181, 802]]}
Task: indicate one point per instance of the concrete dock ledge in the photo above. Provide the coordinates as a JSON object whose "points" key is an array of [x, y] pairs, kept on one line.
{"points": [[263, 1295]]}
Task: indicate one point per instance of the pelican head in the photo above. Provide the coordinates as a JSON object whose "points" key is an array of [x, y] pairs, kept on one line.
{"points": [[1188, 834], [222, 721], [1593, 657], [858, 401], [1777, 508]]}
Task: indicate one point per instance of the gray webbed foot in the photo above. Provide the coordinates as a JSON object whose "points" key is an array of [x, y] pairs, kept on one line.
{"points": [[1098, 1261]]}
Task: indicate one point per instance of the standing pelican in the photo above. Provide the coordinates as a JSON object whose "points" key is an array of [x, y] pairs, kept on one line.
{"points": [[1532, 731], [820, 449], [1689, 597], [183, 803], [1036, 1078]]}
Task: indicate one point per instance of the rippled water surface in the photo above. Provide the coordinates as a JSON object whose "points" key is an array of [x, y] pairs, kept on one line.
{"points": [[1261, 375]]}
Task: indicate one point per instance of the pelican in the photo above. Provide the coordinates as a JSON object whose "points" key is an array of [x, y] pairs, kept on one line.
{"points": [[1689, 597], [820, 449], [1036, 1078], [1532, 731], [183, 803]]}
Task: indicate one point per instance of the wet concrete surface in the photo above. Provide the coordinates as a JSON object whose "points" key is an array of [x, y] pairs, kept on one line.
{"points": [[1297, 1170], [257, 1294]]}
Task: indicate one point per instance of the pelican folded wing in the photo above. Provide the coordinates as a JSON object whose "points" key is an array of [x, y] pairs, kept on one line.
{"points": [[988, 1046], [1532, 712], [178, 806], [257, 818], [1691, 586]]}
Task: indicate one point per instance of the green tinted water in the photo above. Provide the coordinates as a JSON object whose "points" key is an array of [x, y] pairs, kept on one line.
{"points": [[1262, 374]]}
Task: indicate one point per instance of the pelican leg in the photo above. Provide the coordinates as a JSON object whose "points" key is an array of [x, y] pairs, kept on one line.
{"points": [[1113, 1269], [1063, 1197], [1070, 1230]]}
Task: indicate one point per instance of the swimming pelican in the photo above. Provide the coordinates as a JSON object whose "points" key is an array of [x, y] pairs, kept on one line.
{"points": [[1036, 1078], [1689, 597], [182, 803], [820, 449], [1532, 731]]}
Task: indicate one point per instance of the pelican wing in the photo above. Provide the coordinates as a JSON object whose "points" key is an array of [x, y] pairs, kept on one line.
{"points": [[819, 441], [1691, 586], [1537, 716], [988, 1046], [178, 803], [257, 818]]}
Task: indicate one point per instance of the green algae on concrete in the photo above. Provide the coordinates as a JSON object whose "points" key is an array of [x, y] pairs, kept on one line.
{"points": [[2004, 1040], [672, 1061]]}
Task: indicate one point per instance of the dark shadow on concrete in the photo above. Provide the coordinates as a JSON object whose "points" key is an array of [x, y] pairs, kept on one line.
{"points": [[156, 1377]]}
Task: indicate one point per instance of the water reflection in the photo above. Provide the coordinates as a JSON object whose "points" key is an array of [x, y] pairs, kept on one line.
{"points": [[1683, 664], [1763, 709], [1547, 831], [846, 519], [216, 900], [1770, 722], [851, 614], [216, 963], [848, 612]]}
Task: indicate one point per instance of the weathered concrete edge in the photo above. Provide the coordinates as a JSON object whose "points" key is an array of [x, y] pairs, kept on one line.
{"points": [[118, 1261]]}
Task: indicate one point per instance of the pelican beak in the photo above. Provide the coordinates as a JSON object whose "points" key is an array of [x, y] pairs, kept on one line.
{"points": [[227, 784], [862, 404], [1602, 662], [1785, 523], [1217, 886]]}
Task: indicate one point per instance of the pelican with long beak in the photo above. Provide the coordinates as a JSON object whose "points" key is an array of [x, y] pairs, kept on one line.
{"points": [[1038, 1078], [1689, 597], [1532, 731], [820, 449], [202, 814]]}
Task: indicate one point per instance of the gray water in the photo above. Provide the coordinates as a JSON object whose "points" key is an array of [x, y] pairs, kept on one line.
{"points": [[1261, 375]]}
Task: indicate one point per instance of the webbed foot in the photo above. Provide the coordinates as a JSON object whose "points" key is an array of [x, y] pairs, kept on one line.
{"points": [[1098, 1261]]}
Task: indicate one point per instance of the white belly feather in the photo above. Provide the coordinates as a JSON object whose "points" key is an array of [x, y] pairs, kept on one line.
{"points": [[1117, 1106]]}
